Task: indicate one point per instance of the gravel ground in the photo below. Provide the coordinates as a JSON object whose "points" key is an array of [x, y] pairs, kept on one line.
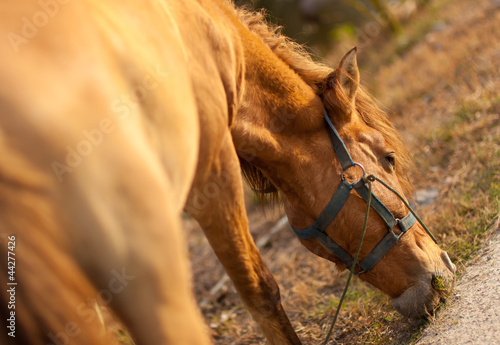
{"points": [[473, 316]]}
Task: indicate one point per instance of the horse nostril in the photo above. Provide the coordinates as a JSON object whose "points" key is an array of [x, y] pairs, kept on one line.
{"points": [[447, 262]]}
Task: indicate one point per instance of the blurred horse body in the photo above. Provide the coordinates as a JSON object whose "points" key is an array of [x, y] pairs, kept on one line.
{"points": [[116, 116]]}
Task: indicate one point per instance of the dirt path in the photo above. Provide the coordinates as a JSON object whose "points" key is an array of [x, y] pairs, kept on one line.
{"points": [[473, 316]]}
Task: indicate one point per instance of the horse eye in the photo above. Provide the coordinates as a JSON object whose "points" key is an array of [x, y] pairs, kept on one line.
{"points": [[391, 159]]}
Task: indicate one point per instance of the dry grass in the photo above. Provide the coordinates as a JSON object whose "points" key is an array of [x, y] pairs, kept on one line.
{"points": [[442, 90]]}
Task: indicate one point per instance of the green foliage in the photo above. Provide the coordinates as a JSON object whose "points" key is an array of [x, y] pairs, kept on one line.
{"points": [[321, 23]]}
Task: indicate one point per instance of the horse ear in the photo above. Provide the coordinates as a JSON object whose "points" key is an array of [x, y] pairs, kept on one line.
{"points": [[342, 86], [348, 74]]}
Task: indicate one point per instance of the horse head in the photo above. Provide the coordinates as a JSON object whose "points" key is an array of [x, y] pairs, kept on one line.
{"points": [[410, 269], [321, 173]]}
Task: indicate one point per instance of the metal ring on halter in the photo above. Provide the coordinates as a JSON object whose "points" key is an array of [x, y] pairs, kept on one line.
{"points": [[354, 164]]}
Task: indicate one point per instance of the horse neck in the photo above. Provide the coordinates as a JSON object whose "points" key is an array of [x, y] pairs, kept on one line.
{"points": [[272, 87], [277, 107]]}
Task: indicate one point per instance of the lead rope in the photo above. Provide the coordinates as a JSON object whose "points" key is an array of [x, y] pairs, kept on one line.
{"points": [[367, 180], [375, 178]]}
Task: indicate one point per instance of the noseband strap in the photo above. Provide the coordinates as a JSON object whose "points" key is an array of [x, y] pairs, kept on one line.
{"points": [[318, 229]]}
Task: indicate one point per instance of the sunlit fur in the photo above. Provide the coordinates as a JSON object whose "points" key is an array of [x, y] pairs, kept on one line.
{"points": [[188, 89], [316, 75]]}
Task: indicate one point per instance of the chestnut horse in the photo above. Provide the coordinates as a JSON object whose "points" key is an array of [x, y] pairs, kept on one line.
{"points": [[116, 116]]}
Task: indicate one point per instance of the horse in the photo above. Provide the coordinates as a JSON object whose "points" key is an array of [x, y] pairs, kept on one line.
{"points": [[118, 116]]}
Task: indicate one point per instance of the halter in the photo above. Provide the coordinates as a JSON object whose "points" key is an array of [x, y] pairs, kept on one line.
{"points": [[363, 188]]}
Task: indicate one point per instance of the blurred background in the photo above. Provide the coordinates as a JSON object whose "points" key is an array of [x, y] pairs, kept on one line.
{"points": [[325, 23]]}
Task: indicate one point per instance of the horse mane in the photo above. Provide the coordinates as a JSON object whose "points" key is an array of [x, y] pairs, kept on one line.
{"points": [[316, 75], [296, 56]]}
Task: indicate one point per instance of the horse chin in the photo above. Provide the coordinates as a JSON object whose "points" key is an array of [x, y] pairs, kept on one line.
{"points": [[421, 299]]}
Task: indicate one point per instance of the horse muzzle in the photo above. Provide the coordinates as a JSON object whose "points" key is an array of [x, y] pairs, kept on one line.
{"points": [[421, 299]]}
